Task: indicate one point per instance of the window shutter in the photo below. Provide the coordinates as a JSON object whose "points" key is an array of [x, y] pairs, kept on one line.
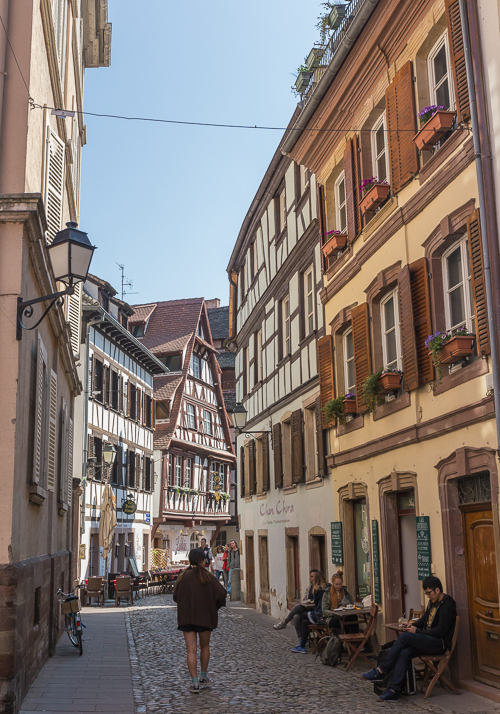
{"points": [[326, 374], [119, 461], [127, 469], [138, 471], [458, 59], [54, 183], [361, 342], [242, 471], [138, 404], [52, 446], [251, 463], [401, 126], [70, 461], [410, 358], [73, 316], [75, 155], [153, 407], [320, 442], [265, 464], [421, 307], [297, 448], [62, 454], [320, 197], [38, 450], [351, 174], [278, 463], [477, 283], [90, 454], [129, 400]]}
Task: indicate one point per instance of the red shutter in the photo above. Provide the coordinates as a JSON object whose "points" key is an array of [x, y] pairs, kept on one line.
{"points": [[278, 464], [401, 123], [297, 447], [251, 464], [265, 463], [326, 375], [320, 440], [410, 359], [361, 343], [422, 323], [477, 283], [457, 55], [351, 190]]}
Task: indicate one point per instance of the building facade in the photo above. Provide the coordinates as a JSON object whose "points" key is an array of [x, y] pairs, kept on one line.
{"points": [[194, 454], [285, 503], [414, 468], [43, 54]]}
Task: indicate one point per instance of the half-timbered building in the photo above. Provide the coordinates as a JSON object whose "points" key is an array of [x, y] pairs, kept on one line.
{"points": [[276, 320], [193, 450]]}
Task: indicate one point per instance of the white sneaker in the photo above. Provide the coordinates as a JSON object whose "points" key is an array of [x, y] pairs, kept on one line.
{"points": [[279, 625]]}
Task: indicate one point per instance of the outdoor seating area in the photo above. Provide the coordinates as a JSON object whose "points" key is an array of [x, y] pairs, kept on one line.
{"points": [[127, 587]]}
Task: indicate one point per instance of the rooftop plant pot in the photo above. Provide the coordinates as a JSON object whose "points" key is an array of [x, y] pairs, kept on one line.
{"points": [[375, 197], [349, 406], [456, 349], [434, 129], [302, 81], [334, 244], [336, 16], [389, 382], [314, 58]]}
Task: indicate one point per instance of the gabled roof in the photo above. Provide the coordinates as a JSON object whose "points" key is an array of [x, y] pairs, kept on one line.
{"points": [[219, 322], [141, 313], [171, 324], [165, 386]]}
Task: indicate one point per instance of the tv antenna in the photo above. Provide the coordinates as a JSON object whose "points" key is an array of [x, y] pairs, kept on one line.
{"points": [[126, 283]]}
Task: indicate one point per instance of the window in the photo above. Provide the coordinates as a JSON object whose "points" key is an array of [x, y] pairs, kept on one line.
{"points": [[309, 301], [340, 204], [115, 390], [188, 473], [459, 305], [131, 468], [282, 210], [253, 259], [173, 362], [285, 315], [391, 333], [292, 567], [303, 179], [379, 149], [178, 471], [138, 330], [191, 421], [207, 421], [257, 360], [361, 549], [246, 371], [98, 459], [149, 411], [162, 410], [439, 69], [132, 397], [170, 469], [196, 366], [97, 392], [116, 471], [348, 348], [242, 283], [199, 331]]}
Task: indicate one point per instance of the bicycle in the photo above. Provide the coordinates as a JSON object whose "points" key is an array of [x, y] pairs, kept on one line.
{"points": [[70, 607]]}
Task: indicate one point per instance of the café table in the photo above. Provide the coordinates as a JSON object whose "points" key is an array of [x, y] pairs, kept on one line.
{"points": [[344, 612]]}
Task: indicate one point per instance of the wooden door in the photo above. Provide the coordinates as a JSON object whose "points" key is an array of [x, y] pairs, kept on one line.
{"points": [[318, 554], [482, 587], [250, 570]]}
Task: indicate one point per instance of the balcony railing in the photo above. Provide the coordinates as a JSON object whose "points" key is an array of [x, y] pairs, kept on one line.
{"points": [[199, 504]]}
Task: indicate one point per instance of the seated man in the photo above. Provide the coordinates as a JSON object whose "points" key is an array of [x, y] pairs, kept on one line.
{"points": [[431, 635]]}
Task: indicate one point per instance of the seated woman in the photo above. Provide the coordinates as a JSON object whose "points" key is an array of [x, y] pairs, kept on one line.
{"points": [[311, 618], [334, 597], [297, 611]]}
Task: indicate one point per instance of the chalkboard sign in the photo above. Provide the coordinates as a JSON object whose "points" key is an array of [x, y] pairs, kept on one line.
{"points": [[133, 566], [376, 563], [423, 547], [337, 544]]}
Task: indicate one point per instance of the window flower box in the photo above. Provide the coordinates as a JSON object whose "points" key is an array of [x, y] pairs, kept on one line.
{"points": [[350, 405], [335, 241], [302, 81], [336, 16], [374, 197], [434, 129], [389, 382], [456, 349], [314, 58]]}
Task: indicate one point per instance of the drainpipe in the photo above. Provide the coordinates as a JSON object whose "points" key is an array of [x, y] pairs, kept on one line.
{"points": [[4, 12], [489, 239]]}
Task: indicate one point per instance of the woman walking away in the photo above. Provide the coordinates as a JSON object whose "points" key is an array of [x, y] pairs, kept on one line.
{"points": [[198, 595], [219, 564]]}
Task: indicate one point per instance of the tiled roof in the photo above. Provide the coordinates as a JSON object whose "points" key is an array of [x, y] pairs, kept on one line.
{"points": [[226, 360], [171, 324], [219, 322], [165, 386], [229, 399], [141, 313]]}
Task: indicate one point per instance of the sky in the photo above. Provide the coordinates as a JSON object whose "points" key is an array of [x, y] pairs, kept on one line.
{"points": [[168, 201]]}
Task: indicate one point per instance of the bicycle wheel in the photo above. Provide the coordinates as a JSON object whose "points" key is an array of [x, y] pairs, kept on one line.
{"points": [[80, 643], [71, 629]]}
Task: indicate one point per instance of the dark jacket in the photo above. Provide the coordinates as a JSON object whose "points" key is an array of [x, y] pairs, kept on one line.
{"points": [[198, 604], [443, 624], [318, 599], [234, 559]]}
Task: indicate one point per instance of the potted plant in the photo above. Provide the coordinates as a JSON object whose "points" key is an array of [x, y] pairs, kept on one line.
{"points": [[336, 15], [390, 380], [303, 78], [335, 241], [449, 347], [371, 391], [339, 407], [313, 59], [375, 193], [435, 122]]}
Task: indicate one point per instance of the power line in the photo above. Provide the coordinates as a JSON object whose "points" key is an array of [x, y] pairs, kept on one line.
{"points": [[15, 58]]}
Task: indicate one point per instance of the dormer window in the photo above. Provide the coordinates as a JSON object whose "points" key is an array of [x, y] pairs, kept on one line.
{"points": [[162, 410], [104, 300], [199, 331], [138, 330], [124, 320], [173, 362]]}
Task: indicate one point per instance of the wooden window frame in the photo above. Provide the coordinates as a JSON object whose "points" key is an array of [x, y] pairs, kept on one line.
{"points": [[381, 122], [282, 209], [208, 421], [397, 329], [309, 317], [286, 326], [189, 414], [264, 584], [178, 471], [433, 86], [469, 322], [188, 472], [345, 361], [338, 205]]}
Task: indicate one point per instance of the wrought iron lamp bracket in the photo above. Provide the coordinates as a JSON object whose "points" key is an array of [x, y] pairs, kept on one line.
{"points": [[25, 308]]}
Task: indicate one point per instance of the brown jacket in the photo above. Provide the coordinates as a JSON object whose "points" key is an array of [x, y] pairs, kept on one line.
{"points": [[198, 604]]}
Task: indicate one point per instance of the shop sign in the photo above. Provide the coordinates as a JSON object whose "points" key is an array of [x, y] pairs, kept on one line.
{"points": [[81, 551], [148, 518], [337, 543], [423, 547], [376, 562], [130, 506]]}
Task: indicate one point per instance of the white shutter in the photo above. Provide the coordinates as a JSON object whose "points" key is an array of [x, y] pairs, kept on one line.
{"points": [[73, 316], [40, 417], [70, 461], [75, 159], [63, 460], [52, 442], [54, 183]]}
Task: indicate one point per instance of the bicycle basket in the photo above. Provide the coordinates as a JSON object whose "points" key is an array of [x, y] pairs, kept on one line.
{"points": [[70, 605]]}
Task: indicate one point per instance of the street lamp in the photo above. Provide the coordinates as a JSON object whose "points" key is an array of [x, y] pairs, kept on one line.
{"points": [[70, 254], [240, 419], [109, 454]]}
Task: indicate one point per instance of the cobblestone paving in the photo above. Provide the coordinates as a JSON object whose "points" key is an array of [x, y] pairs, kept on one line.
{"points": [[253, 671]]}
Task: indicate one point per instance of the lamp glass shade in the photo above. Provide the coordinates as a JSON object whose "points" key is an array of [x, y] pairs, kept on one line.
{"points": [[70, 254], [109, 454], [81, 255], [240, 416]]}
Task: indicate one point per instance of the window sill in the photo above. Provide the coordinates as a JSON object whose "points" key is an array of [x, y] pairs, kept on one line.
{"points": [[283, 361], [310, 337], [476, 368], [265, 596], [290, 489], [401, 402], [379, 218], [317, 483], [37, 494], [440, 156], [356, 423], [261, 496], [62, 508], [248, 499]]}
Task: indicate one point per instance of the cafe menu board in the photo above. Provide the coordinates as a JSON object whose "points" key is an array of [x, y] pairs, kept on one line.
{"points": [[376, 562], [337, 544], [423, 547]]}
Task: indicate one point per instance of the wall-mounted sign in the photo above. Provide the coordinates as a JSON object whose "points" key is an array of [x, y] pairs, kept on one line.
{"points": [[337, 543], [81, 551], [130, 506], [376, 562], [148, 518], [423, 547]]}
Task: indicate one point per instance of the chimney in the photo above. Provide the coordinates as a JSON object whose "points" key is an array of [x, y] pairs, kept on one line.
{"points": [[215, 302]]}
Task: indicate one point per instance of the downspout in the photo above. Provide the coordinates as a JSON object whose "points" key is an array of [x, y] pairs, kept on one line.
{"points": [[489, 242], [4, 12]]}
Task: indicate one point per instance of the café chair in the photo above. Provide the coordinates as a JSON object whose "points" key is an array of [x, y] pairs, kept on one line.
{"points": [[123, 590], [95, 589], [355, 642], [316, 634], [430, 662], [415, 613]]}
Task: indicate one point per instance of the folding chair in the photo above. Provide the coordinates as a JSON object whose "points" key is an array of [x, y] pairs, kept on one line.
{"points": [[316, 634], [430, 666], [356, 641]]}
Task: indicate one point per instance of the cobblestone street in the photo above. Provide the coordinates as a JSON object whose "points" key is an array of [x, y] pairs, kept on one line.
{"points": [[254, 671]]}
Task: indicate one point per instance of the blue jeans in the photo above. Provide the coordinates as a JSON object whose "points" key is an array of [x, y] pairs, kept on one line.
{"points": [[230, 578], [407, 646]]}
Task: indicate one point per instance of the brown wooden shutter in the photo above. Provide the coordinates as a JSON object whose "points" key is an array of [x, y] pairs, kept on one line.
{"points": [[320, 440], [326, 374], [351, 175], [401, 125], [457, 55], [297, 447], [138, 404], [129, 399], [320, 198], [90, 454], [251, 466], [278, 463], [477, 283], [265, 463], [422, 323], [138, 479], [107, 387], [153, 414], [127, 469], [357, 179], [361, 343], [242, 471], [410, 358]]}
